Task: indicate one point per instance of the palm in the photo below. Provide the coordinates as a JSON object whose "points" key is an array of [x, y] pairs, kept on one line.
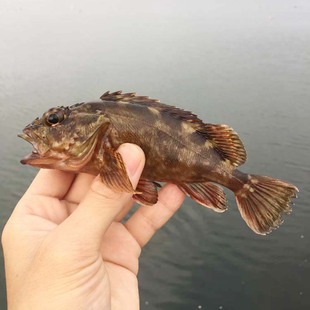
{"points": [[96, 274], [119, 250]]}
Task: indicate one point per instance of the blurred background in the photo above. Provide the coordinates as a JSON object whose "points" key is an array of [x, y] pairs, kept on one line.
{"points": [[245, 63]]}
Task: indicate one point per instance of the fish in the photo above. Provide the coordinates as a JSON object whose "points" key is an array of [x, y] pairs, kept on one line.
{"points": [[200, 158]]}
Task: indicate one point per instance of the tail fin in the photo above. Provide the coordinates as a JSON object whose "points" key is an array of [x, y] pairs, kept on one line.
{"points": [[262, 200]]}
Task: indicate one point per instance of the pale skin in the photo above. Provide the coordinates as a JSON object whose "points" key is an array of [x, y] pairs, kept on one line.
{"points": [[65, 246]]}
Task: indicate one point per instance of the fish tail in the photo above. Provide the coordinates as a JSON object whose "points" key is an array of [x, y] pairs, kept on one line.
{"points": [[262, 200]]}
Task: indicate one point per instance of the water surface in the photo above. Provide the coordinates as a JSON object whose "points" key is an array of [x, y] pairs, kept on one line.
{"points": [[244, 63]]}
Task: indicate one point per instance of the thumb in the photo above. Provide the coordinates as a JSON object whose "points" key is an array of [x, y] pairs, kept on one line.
{"points": [[100, 206]]}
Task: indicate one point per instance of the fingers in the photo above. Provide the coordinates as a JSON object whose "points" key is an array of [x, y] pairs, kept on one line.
{"points": [[79, 187], [101, 205], [148, 219], [53, 183], [125, 210], [78, 190]]}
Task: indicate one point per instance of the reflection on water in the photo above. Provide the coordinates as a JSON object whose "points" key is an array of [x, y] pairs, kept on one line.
{"points": [[244, 64]]}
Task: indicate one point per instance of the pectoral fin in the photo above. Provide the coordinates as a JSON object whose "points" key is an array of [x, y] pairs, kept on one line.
{"points": [[146, 192], [113, 172], [206, 194]]}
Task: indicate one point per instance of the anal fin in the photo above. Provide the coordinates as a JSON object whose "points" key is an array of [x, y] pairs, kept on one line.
{"points": [[206, 194], [146, 192]]}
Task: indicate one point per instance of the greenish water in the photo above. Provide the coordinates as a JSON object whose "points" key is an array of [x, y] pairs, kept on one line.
{"points": [[243, 63]]}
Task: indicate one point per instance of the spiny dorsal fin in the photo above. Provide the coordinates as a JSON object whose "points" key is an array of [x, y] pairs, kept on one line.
{"points": [[223, 138], [155, 103], [226, 141], [128, 97]]}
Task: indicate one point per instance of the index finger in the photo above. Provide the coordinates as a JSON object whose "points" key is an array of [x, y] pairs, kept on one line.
{"points": [[52, 183], [148, 219]]}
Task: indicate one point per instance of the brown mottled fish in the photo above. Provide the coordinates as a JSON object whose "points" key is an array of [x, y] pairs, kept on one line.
{"points": [[178, 146]]}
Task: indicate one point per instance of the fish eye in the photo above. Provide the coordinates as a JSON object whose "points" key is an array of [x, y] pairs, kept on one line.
{"points": [[54, 119]]}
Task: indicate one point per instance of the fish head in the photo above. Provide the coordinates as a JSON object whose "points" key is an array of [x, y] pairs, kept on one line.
{"points": [[63, 138]]}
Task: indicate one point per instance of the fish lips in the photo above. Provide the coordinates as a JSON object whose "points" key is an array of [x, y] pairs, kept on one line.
{"points": [[29, 159], [34, 156], [38, 158]]}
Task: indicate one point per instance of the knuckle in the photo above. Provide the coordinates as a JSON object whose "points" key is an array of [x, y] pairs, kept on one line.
{"points": [[150, 223], [6, 235], [10, 234]]}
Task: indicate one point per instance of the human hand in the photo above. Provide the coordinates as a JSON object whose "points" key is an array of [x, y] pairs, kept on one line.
{"points": [[66, 248]]}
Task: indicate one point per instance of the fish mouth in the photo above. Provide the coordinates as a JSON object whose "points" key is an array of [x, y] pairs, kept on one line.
{"points": [[30, 158], [34, 156], [41, 155], [25, 136]]}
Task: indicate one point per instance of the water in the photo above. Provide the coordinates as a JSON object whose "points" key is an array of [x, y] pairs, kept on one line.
{"points": [[244, 63]]}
